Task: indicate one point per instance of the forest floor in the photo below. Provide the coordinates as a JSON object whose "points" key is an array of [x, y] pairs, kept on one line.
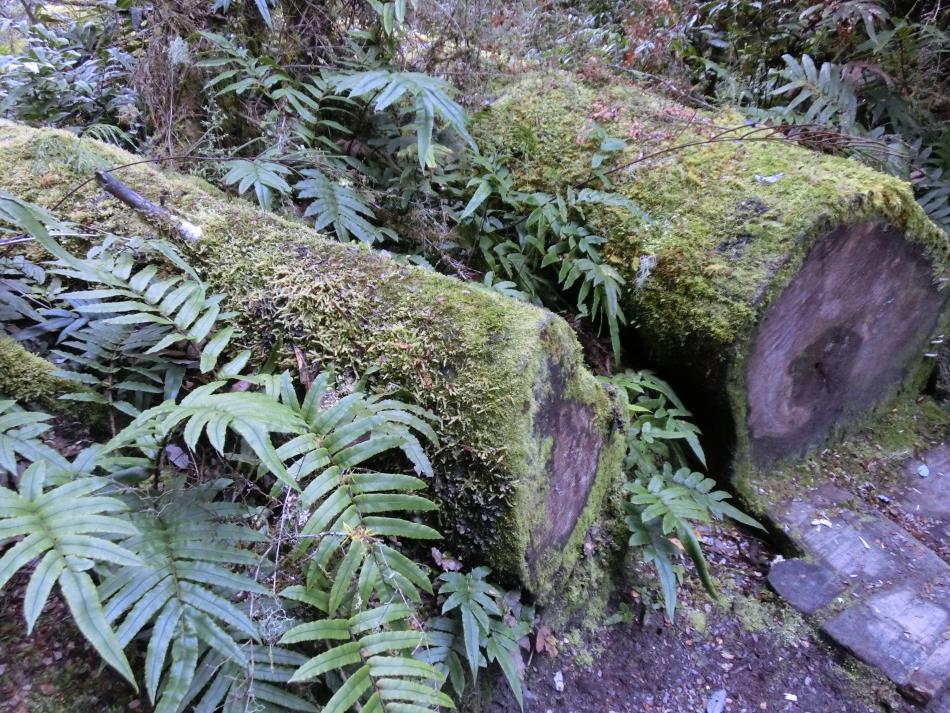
{"points": [[760, 652], [745, 653], [748, 652]]}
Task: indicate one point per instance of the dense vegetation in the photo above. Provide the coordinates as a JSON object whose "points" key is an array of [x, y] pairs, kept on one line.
{"points": [[245, 535]]}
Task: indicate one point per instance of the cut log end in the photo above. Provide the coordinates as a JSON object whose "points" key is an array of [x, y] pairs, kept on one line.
{"points": [[576, 443], [838, 339]]}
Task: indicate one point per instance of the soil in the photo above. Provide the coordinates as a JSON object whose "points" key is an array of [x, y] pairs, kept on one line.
{"points": [[751, 645], [54, 670]]}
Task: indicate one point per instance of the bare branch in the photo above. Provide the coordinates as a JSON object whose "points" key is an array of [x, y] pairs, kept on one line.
{"points": [[148, 210]]}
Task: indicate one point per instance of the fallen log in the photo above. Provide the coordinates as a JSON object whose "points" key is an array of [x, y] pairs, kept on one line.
{"points": [[529, 439], [33, 382], [787, 292]]}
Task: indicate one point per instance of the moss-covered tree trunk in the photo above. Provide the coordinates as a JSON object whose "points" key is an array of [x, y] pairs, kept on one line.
{"points": [[789, 291], [529, 438]]}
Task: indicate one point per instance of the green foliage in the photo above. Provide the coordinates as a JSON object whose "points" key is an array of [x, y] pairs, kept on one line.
{"points": [[20, 433], [489, 632], [429, 96], [177, 534], [666, 498], [336, 205], [69, 527], [543, 244], [826, 95], [265, 177], [72, 77]]}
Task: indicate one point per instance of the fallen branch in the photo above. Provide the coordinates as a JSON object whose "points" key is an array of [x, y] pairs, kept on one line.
{"points": [[148, 210]]}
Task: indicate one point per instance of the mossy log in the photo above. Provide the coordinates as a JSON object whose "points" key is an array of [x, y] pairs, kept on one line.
{"points": [[32, 381], [529, 438], [787, 292]]}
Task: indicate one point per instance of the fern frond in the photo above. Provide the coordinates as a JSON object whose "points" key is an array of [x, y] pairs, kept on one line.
{"points": [[375, 658], [70, 527], [260, 685], [190, 545], [19, 436], [335, 204], [265, 177], [828, 93], [430, 97]]}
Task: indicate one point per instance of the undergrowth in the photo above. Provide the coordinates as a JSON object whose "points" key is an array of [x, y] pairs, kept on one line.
{"points": [[232, 524]]}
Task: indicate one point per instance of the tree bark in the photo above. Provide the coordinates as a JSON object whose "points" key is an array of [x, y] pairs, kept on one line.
{"points": [[786, 292], [530, 441]]}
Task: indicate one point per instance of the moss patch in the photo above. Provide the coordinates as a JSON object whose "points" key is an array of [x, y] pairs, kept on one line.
{"points": [[730, 222], [32, 381]]}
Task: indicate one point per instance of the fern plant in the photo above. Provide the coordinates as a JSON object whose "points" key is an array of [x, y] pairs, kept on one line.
{"points": [[543, 244], [70, 527], [827, 94], [489, 632], [666, 497], [218, 530], [430, 98]]}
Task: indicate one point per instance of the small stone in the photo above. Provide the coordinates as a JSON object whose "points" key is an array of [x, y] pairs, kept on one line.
{"points": [[559, 682], [923, 471], [791, 697], [805, 585], [717, 701]]}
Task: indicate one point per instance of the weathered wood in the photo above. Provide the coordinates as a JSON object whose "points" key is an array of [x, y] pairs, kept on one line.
{"points": [[785, 292], [529, 444], [149, 211]]}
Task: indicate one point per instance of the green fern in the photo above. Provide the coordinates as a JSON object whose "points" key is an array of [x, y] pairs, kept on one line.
{"points": [[222, 684], [265, 177], [486, 635], [374, 655], [69, 527], [666, 498], [430, 97], [189, 542], [333, 204], [20, 433], [827, 93]]}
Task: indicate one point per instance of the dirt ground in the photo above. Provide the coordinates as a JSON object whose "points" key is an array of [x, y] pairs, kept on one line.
{"points": [[750, 645], [54, 670]]}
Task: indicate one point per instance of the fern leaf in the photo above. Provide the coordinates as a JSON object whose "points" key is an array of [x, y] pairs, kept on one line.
{"points": [[19, 436], [183, 591], [337, 205], [67, 526]]}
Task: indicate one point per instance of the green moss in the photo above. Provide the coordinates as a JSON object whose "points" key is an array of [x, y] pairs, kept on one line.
{"points": [[697, 620], [768, 615], [705, 202], [469, 355], [32, 381]]}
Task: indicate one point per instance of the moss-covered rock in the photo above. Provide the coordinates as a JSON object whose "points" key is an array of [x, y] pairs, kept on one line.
{"points": [[528, 436], [787, 291]]}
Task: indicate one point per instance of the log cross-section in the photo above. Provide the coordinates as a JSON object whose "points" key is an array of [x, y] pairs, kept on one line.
{"points": [[838, 337]]}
